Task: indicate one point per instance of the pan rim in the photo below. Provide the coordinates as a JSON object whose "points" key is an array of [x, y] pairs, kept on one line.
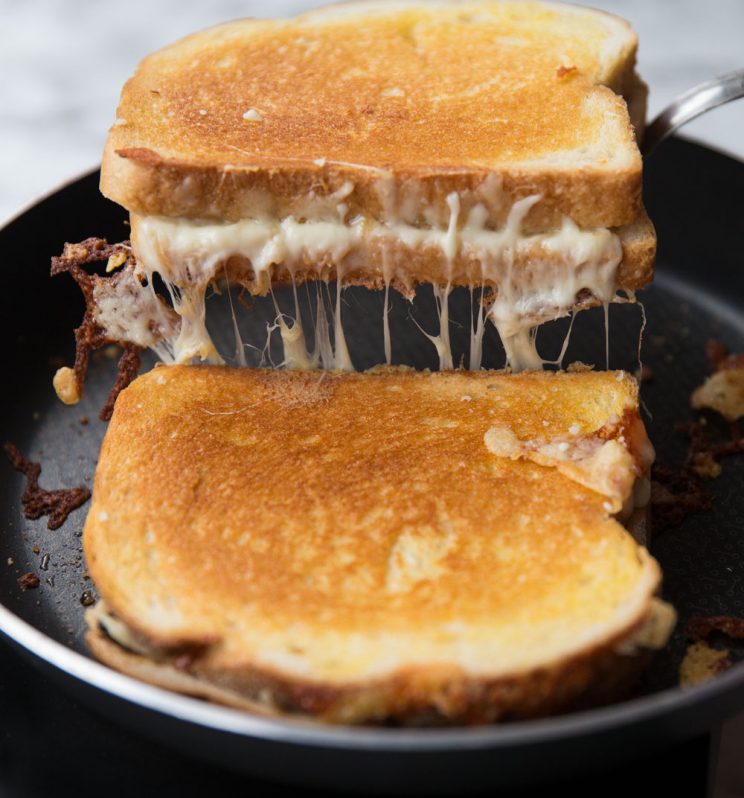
{"points": [[57, 188], [310, 733]]}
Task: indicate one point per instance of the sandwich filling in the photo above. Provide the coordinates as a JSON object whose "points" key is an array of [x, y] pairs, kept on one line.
{"points": [[530, 278]]}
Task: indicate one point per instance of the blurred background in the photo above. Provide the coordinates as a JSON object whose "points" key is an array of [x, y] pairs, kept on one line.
{"points": [[63, 62]]}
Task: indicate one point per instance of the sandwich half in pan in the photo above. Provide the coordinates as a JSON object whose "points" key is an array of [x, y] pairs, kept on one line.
{"points": [[394, 545]]}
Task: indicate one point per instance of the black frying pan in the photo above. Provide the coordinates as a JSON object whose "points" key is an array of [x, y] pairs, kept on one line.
{"points": [[696, 198]]}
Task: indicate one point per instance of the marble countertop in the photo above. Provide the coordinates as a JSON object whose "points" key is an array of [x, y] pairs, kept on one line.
{"points": [[63, 63]]}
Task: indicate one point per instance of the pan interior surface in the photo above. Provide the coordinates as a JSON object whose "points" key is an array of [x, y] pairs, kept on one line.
{"points": [[698, 295]]}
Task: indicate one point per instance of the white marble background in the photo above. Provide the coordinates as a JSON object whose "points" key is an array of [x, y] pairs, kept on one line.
{"points": [[62, 64]]}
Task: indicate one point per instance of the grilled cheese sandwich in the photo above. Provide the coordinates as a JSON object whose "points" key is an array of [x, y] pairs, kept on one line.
{"points": [[364, 547], [390, 163], [386, 546]]}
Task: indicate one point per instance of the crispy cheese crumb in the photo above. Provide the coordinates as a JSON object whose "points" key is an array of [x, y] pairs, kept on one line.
{"points": [[252, 115], [66, 386], [702, 663], [116, 260], [577, 367], [29, 581], [705, 465], [564, 71], [722, 392]]}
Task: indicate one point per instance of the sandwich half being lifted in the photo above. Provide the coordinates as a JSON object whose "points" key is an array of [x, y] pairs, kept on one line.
{"points": [[481, 144], [393, 545]]}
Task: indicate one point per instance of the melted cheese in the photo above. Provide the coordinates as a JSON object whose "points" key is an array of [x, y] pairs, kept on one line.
{"points": [[239, 346], [129, 310], [188, 253], [296, 355], [386, 341], [442, 341], [342, 360], [477, 329]]}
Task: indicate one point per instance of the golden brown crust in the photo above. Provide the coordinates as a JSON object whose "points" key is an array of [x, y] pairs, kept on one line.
{"points": [[594, 676], [349, 542], [229, 119], [639, 253], [149, 184]]}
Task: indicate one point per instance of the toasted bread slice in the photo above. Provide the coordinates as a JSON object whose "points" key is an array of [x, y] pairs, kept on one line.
{"points": [[407, 102], [392, 545]]}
